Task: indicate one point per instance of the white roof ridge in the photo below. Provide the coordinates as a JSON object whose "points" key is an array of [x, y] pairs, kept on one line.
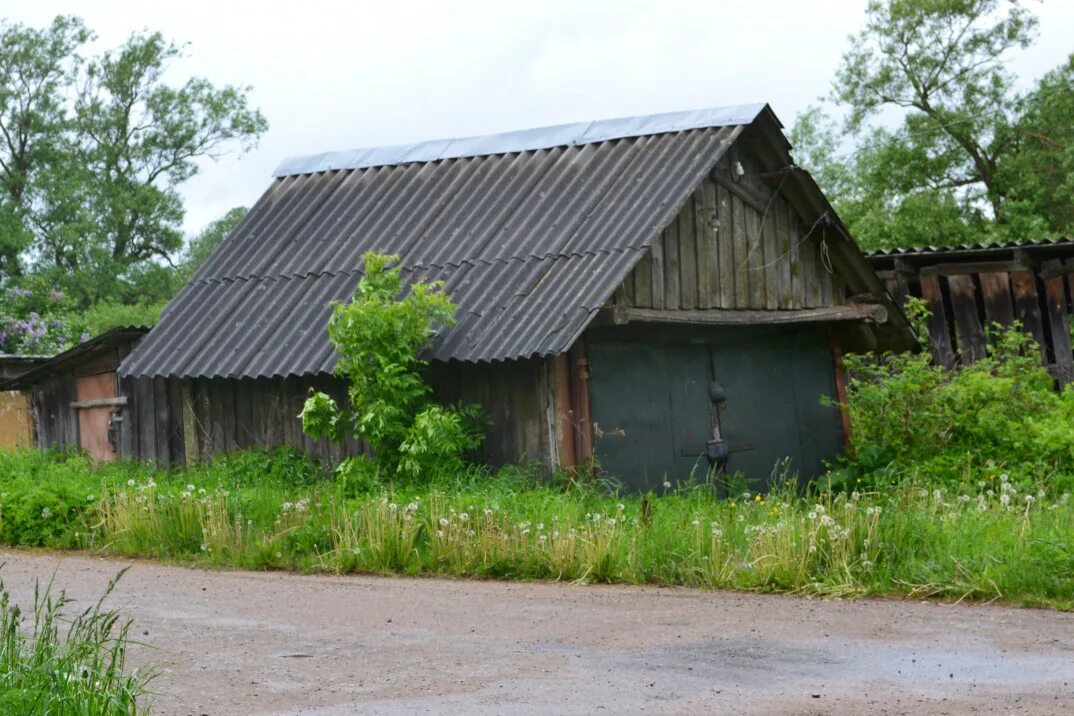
{"points": [[572, 134]]}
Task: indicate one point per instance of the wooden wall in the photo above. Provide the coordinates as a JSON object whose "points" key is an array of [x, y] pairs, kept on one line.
{"points": [[734, 245], [180, 421], [966, 298], [16, 423], [520, 399]]}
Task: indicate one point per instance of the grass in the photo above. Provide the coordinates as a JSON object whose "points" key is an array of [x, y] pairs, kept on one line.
{"points": [[77, 668], [982, 540]]}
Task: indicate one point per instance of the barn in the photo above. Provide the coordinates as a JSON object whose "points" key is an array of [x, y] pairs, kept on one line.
{"points": [[654, 293]]}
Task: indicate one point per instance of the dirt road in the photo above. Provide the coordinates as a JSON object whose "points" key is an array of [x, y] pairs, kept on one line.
{"points": [[246, 643]]}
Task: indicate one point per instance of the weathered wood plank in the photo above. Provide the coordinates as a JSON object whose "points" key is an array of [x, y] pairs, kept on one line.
{"points": [[191, 451], [740, 240], [771, 257], [657, 286], [203, 413], [794, 235], [807, 255], [996, 293], [824, 273], [643, 282], [785, 296], [672, 287], [725, 245], [708, 268], [754, 260], [176, 446], [162, 422], [128, 434], [689, 257], [968, 330], [1058, 320], [1027, 307], [147, 433], [761, 316], [939, 330]]}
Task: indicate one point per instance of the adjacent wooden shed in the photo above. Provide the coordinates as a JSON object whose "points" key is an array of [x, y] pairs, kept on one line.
{"points": [[652, 292], [971, 287], [74, 398]]}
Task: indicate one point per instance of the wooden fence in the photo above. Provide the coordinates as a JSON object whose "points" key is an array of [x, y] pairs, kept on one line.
{"points": [[968, 291]]}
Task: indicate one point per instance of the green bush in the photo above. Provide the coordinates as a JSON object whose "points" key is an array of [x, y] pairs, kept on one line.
{"points": [[380, 336], [999, 415]]}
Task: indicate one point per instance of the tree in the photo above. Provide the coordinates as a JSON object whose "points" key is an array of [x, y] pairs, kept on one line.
{"points": [[959, 161], [96, 150], [380, 336], [208, 239]]}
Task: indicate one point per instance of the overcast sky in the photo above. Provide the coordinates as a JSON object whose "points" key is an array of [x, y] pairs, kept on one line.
{"points": [[340, 75]]}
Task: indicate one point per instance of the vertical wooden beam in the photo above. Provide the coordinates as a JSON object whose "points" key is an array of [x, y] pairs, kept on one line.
{"points": [[564, 414], [708, 257], [971, 338], [657, 285], [672, 286], [580, 404], [939, 331], [1027, 307], [772, 258], [996, 292], [643, 281], [841, 393], [689, 256], [162, 454], [725, 246], [741, 249], [1056, 303], [784, 244], [190, 424]]}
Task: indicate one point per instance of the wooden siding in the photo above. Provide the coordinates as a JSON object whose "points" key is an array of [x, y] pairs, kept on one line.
{"points": [[520, 400], [184, 421], [728, 250], [966, 300]]}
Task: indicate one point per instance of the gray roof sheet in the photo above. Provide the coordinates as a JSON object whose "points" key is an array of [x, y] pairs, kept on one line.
{"points": [[530, 243], [970, 247]]}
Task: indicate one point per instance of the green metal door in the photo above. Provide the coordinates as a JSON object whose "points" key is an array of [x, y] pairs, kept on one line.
{"points": [[773, 382], [652, 416]]}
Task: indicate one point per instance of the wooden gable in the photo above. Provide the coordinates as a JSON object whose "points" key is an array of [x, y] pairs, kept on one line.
{"points": [[737, 243]]}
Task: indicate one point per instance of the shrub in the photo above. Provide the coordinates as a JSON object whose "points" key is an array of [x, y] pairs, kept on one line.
{"points": [[380, 336], [998, 415]]}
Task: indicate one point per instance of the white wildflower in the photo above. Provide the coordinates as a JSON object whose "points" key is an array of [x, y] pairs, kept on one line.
{"points": [[1005, 498], [46, 513], [444, 522], [667, 485]]}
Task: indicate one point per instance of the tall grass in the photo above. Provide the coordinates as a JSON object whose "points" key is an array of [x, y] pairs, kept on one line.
{"points": [[982, 538], [77, 668]]}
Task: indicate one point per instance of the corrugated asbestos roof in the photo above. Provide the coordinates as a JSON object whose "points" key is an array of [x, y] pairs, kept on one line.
{"points": [[972, 247], [530, 242]]}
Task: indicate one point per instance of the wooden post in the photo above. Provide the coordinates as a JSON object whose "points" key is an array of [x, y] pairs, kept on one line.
{"points": [[564, 414], [841, 394], [190, 425], [1056, 301], [580, 404]]}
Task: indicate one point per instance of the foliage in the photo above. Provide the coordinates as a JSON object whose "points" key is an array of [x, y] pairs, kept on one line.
{"points": [[208, 239], [103, 316], [380, 336], [78, 670], [999, 415], [93, 152], [968, 158], [36, 319], [956, 540]]}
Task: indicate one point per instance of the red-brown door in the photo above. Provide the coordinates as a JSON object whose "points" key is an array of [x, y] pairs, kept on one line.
{"points": [[93, 419]]}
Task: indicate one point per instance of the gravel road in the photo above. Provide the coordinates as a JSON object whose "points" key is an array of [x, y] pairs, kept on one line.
{"points": [[272, 643]]}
